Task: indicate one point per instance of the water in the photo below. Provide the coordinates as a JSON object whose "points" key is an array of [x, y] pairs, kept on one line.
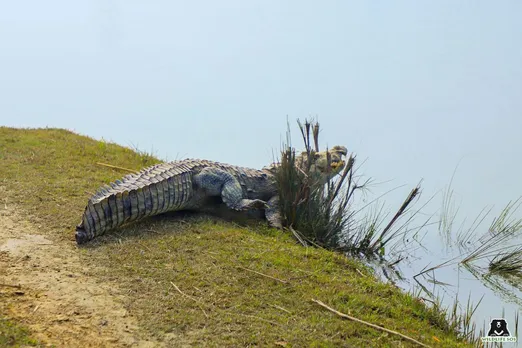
{"points": [[432, 268], [414, 89]]}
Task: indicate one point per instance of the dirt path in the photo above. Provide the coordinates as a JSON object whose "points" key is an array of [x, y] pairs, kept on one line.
{"points": [[50, 291]]}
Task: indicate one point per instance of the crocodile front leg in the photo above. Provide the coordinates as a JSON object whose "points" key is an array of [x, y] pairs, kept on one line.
{"points": [[273, 214], [217, 182]]}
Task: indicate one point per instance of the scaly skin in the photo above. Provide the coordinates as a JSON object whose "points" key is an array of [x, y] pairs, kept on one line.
{"points": [[188, 185]]}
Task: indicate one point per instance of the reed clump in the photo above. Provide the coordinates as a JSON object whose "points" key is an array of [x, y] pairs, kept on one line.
{"points": [[320, 213]]}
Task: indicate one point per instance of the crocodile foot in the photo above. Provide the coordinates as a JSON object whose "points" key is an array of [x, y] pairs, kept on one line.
{"points": [[248, 204], [274, 219]]}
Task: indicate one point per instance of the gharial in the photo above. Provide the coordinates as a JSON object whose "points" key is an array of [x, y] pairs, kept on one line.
{"points": [[188, 185]]}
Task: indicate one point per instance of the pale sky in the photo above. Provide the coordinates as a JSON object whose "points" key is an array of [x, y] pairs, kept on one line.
{"points": [[412, 87]]}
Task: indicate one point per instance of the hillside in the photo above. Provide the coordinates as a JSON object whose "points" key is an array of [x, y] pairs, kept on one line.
{"points": [[171, 280]]}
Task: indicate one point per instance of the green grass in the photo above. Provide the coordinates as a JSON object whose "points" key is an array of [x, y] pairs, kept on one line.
{"points": [[238, 286], [14, 335]]}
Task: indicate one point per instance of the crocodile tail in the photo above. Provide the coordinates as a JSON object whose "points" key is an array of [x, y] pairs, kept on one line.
{"points": [[124, 202], [81, 234], [112, 211]]}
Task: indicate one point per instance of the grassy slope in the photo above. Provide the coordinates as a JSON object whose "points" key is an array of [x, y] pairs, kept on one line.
{"points": [[13, 334], [48, 173]]}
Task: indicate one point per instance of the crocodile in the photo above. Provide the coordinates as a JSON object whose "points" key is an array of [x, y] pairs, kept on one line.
{"points": [[193, 184]]}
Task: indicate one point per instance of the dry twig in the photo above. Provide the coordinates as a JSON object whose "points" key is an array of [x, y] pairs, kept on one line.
{"points": [[264, 275], [116, 167], [190, 297], [182, 293], [281, 308], [298, 236], [369, 324]]}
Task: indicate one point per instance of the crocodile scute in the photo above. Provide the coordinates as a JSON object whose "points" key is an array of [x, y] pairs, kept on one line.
{"points": [[186, 185]]}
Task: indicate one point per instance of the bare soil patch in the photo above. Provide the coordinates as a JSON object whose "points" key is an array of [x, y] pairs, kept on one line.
{"points": [[49, 289]]}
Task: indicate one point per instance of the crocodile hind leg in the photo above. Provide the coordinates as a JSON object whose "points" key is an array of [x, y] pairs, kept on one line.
{"points": [[217, 182], [273, 214]]}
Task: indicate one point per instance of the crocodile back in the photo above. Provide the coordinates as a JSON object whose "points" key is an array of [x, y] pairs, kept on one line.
{"points": [[158, 189]]}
